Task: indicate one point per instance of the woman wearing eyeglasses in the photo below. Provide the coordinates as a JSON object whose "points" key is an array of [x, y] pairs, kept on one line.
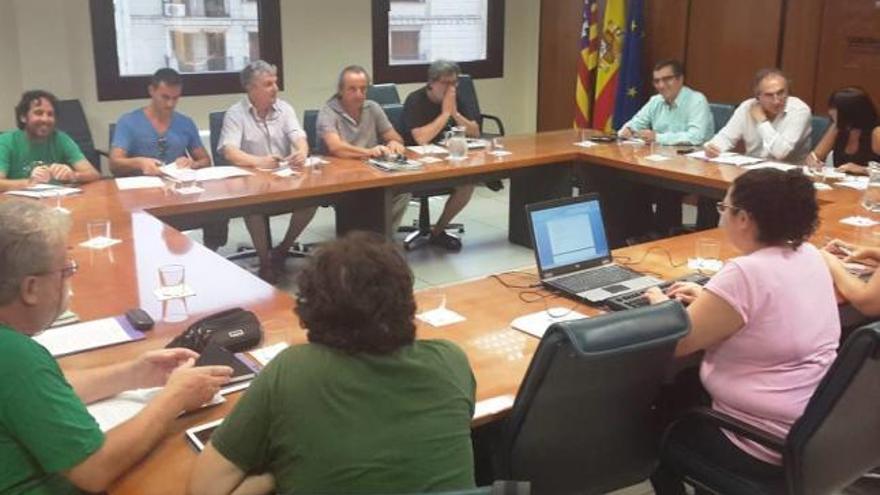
{"points": [[768, 324], [854, 134]]}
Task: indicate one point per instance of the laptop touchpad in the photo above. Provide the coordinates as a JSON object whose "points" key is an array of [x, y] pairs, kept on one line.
{"points": [[616, 288]]}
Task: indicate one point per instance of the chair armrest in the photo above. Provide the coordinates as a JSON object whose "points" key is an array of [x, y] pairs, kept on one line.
{"points": [[495, 119], [730, 424]]}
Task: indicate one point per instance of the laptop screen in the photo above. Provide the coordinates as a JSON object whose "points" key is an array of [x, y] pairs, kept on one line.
{"points": [[568, 233]]}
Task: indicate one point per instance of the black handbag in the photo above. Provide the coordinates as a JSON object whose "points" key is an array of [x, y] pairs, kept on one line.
{"points": [[235, 330]]}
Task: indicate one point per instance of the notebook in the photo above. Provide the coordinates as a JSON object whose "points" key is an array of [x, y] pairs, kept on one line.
{"points": [[571, 250]]}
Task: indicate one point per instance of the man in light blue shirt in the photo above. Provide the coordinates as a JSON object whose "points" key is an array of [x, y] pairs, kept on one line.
{"points": [[676, 115]]}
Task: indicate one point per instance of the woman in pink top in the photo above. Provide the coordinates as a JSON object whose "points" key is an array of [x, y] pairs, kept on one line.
{"points": [[768, 323]]}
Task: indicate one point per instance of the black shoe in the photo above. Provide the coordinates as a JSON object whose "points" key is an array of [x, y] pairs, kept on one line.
{"points": [[446, 240], [495, 185]]}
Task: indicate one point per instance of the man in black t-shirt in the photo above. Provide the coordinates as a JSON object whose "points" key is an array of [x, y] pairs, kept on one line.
{"points": [[427, 114]]}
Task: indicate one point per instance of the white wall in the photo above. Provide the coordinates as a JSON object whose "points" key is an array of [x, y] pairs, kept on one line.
{"points": [[47, 44]]}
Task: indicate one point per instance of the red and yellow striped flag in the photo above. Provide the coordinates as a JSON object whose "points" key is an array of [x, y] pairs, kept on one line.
{"points": [[586, 65], [610, 50]]}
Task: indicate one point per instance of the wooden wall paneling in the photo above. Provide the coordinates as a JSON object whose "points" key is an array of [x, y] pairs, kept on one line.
{"points": [[666, 23], [800, 48], [727, 41], [557, 64], [849, 52]]}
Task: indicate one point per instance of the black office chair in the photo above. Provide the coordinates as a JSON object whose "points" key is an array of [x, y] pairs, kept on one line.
{"points": [[497, 488], [583, 420], [310, 125], [468, 96], [721, 113], [383, 94], [835, 442], [819, 124], [215, 125], [71, 118]]}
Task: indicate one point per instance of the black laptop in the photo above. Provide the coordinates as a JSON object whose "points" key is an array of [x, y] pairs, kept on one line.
{"points": [[571, 250]]}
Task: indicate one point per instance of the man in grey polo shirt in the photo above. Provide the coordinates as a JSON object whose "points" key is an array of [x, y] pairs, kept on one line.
{"points": [[261, 131], [350, 126]]}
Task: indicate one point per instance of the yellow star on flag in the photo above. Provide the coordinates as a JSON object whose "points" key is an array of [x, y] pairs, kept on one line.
{"points": [[632, 92]]}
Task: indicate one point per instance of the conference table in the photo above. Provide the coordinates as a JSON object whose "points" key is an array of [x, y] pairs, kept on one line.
{"points": [[148, 222]]}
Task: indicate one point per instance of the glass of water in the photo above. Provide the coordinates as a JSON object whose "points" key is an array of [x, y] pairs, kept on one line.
{"points": [[871, 196]]}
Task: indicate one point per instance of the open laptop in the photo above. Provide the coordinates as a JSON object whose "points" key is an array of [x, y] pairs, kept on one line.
{"points": [[572, 253]]}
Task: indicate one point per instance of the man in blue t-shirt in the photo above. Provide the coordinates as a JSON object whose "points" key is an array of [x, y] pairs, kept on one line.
{"points": [[149, 137]]}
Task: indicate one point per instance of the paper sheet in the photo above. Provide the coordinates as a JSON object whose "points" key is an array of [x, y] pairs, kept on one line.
{"points": [[86, 335], [704, 264], [126, 183], [315, 160], [430, 159], [857, 183], [494, 405], [657, 158], [203, 174], [785, 167], [40, 191], [110, 413], [440, 317], [166, 293], [585, 144], [536, 324], [858, 221], [500, 153], [286, 172], [99, 242], [429, 149], [265, 354], [726, 158]]}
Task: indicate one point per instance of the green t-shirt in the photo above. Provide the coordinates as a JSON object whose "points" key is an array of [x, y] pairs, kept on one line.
{"points": [[44, 427], [17, 152], [323, 421]]}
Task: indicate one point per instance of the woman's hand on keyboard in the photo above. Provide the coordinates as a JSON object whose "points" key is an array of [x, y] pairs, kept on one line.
{"points": [[685, 292], [655, 295]]}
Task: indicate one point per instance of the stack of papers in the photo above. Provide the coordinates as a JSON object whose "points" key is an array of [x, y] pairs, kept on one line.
{"points": [[857, 183], [40, 191], [112, 412], [394, 165]]}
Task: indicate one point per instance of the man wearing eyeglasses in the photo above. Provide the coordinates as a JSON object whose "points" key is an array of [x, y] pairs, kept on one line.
{"points": [[429, 112], [49, 443], [37, 152], [772, 125], [149, 137], [675, 115]]}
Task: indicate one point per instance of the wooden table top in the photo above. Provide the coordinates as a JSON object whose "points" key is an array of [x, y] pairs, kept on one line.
{"points": [[124, 276]]}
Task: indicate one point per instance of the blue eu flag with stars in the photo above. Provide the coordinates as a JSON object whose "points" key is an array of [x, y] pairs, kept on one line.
{"points": [[630, 90]]}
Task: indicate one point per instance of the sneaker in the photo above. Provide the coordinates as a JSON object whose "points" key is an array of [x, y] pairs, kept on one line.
{"points": [[446, 240]]}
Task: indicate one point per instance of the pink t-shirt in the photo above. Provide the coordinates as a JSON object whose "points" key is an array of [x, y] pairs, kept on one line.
{"points": [[766, 372]]}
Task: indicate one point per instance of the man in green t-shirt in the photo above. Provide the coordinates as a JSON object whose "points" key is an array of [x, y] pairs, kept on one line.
{"points": [[49, 444], [38, 153], [364, 407]]}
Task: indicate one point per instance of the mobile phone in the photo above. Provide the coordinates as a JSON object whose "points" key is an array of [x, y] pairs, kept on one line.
{"points": [[139, 319], [685, 151]]}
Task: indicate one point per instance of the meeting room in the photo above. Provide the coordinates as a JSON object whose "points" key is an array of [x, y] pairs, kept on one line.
{"points": [[457, 247]]}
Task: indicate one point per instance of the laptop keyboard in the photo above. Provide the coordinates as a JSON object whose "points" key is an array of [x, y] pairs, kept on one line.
{"points": [[637, 299], [581, 281]]}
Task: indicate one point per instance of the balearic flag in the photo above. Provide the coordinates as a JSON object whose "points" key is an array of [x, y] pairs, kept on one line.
{"points": [[586, 65]]}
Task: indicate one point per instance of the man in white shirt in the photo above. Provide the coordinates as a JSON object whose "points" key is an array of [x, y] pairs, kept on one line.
{"points": [[772, 125]]}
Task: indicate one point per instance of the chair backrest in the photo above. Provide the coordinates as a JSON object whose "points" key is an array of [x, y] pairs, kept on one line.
{"points": [[467, 94], [71, 118], [721, 113], [837, 439], [819, 124], [583, 420], [394, 112], [111, 132], [383, 94], [215, 126], [310, 125]]}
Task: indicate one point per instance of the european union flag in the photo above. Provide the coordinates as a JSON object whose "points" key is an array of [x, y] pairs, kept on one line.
{"points": [[630, 95]]}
